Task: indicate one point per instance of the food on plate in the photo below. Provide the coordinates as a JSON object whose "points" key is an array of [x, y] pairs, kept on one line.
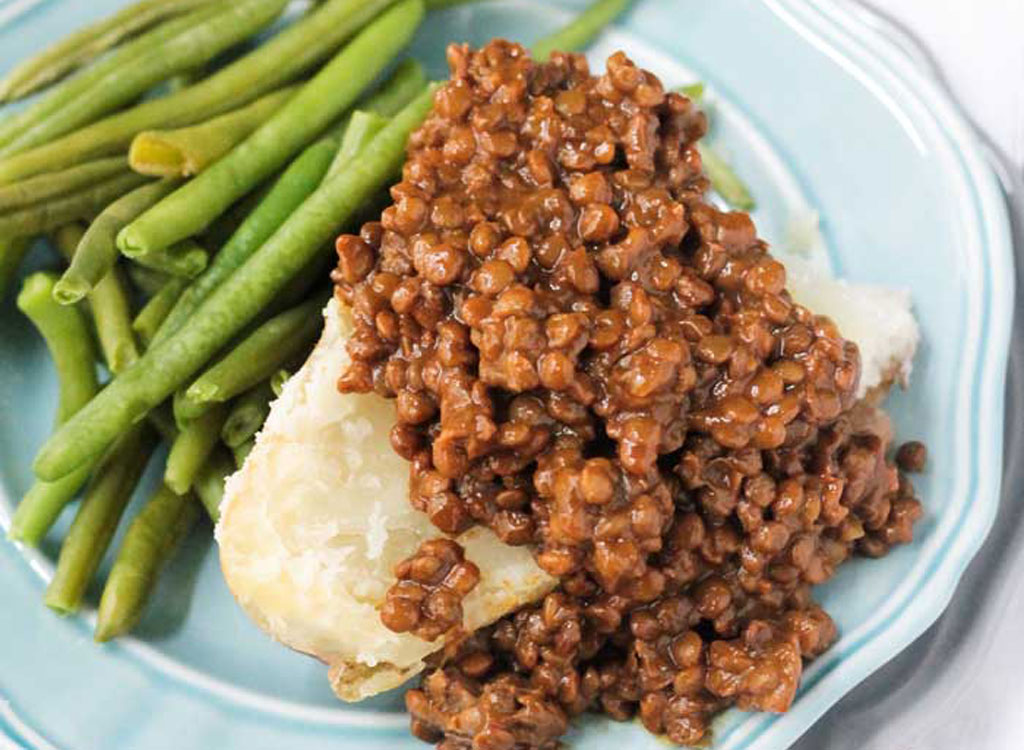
{"points": [[280, 163], [568, 442], [280, 60], [81, 47], [571, 440]]}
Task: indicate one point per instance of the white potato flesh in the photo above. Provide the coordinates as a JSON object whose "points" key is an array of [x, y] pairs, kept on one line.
{"points": [[315, 522]]}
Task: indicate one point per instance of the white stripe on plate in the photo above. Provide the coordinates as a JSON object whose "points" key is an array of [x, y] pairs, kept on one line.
{"points": [[12, 10]]}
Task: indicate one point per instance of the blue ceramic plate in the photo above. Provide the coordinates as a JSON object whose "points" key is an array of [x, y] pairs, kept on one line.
{"points": [[822, 115]]}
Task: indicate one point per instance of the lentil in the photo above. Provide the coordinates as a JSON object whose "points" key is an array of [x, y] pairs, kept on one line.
{"points": [[590, 358]]}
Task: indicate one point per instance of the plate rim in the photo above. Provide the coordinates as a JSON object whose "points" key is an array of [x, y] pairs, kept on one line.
{"points": [[847, 26]]}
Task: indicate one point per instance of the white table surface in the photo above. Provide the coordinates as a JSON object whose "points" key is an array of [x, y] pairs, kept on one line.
{"points": [[961, 685]]}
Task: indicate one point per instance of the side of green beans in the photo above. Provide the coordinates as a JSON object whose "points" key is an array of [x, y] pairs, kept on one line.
{"points": [[151, 539], [297, 183], [155, 311], [111, 310], [67, 337], [197, 203], [238, 300], [47, 216], [209, 483], [254, 360], [247, 415], [279, 60], [12, 252], [77, 49], [186, 259], [402, 86], [97, 518], [188, 151], [97, 252], [578, 34], [193, 446], [362, 127], [206, 33], [15, 126], [43, 187]]}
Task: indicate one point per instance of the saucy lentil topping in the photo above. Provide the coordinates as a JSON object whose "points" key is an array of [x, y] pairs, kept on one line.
{"points": [[427, 600], [588, 357]]}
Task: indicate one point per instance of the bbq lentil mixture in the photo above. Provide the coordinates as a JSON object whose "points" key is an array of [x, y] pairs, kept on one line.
{"points": [[588, 357]]}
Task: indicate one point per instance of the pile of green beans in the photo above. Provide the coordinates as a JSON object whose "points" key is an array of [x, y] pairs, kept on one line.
{"points": [[197, 203], [184, 43], [203, 288], [86, 44], [277, 62]]}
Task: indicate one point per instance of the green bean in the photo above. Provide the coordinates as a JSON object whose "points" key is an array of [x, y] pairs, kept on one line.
{"points": [[12, 252], [438, 4], [724, 180], [97, 518], [694, 91], [297, 183], [16, 125], [278, 381], [111, 311], [67, 336], [98, 251], [43, 504], [47, 216], [205, 485], [150, 317], [205, 33], [54, 184], [279, 60], [193, 447], [236, 302], [406, 82], [197, 203], [187, 259], [148, 281], [247, 415], [209, 484], [255, 359], [582, 30], [188, 151], [241, 452], [222, 230], [77, 49], [362, 127], [151, 539]]}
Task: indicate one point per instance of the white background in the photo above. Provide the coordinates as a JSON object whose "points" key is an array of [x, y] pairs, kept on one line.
{"points": [[980, 46]]}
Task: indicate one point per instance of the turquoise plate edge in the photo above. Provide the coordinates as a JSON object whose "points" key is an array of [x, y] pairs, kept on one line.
{"points": [[827, 681]]}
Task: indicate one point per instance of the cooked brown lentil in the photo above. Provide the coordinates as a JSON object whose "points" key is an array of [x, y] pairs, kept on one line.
{"points": [[427, 600], [912, 457], [588, 357]]}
